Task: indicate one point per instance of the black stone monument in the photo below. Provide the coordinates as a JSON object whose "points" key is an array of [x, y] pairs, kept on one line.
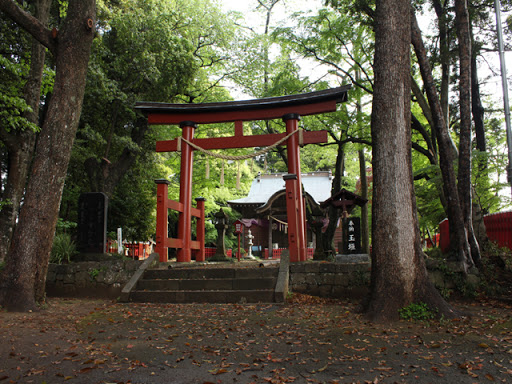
{"points": [[92, 222]]}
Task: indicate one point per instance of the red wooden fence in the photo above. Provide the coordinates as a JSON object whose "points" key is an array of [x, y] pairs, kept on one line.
{"points": [[163, 242], [209, 252], [498, 225], [276, 253], [134, 250]]}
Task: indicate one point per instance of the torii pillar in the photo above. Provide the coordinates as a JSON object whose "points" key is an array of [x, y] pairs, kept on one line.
{"points": [[185, 217], [293, 152]]}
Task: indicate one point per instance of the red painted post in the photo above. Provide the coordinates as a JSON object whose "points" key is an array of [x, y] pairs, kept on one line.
{"points": [[238, 246], [293, 152], [200, 255], [291, 209], [185, 218], [162, 211]]}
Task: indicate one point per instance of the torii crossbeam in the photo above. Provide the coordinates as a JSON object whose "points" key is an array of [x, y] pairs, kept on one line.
{"points": [[288, 108]]}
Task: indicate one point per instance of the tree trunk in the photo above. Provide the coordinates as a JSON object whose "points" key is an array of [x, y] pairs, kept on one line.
{"points": [[477, 109], [333, 213], [458, 238], [32, 241], [464, 173], [21, 143], [365, 233], [444, 47], [399, 276], [20, 148]]}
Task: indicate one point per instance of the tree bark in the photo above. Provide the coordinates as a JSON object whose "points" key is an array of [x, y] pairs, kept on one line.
{"points": [[444, 47], [458, 238], [21, 143], [464, 172], [25, 272], [399, 276], [477, 108], [365, 233], [333, 213]]}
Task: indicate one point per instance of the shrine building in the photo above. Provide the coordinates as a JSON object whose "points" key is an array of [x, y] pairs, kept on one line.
{"points": [[264, 209]]}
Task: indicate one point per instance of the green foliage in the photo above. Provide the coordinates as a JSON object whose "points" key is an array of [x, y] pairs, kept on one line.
{"points": [[64, 226], [93, 273], [157, 50], [417, 311], [63, 249], [4, 203], [133, 205], [12, 103]]}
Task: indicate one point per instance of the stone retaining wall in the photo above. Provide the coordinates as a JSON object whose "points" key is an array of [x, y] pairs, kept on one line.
{"points": [[107, 278], [334, 280], [103, 279], [324, 279]]}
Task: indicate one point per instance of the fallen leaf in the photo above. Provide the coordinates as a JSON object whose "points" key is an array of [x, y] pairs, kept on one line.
{"points": [[218, 371]]}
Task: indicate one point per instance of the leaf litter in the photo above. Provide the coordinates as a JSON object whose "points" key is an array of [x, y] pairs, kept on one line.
{"points": [[306, 340]]}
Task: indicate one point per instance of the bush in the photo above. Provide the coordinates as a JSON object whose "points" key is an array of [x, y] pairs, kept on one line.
{"points": [[63, 249], [417, 311]]}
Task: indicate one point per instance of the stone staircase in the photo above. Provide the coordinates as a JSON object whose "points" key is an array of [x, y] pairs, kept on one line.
{"points": [[205, 284]]}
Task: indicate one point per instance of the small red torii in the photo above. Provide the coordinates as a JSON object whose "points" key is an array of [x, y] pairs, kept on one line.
{"points": [[289, 108]]}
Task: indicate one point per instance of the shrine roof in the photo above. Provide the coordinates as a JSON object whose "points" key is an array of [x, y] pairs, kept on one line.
{"points": [[316, 184], [344, 195]]}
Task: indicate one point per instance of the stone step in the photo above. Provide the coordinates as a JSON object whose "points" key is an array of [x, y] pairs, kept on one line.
{"points": [[212, 273], [206, 284], [182, 297]]}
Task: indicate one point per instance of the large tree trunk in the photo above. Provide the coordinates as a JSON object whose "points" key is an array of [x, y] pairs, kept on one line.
{"points": [[464, 172], [458, 238], [478, 112], [444, 48], [21, 143], [365, 232], [20, 147], [399, 276], [333, 213], [25, 272]]}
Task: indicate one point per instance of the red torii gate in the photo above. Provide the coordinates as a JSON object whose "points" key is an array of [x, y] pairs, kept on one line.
{"points": [[289, 108]]}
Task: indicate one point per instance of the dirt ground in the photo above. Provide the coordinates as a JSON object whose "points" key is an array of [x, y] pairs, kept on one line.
{"points": [[307, 340]]}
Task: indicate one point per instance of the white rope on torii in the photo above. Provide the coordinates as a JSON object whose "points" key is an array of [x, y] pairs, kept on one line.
{"points": [[240, 157]]}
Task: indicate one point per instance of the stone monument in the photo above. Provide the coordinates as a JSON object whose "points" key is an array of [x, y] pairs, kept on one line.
{"points": [[351, 250], [92, 223]]}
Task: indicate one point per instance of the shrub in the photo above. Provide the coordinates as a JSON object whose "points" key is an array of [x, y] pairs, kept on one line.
{"points": [[417, 311], [63, 249]]}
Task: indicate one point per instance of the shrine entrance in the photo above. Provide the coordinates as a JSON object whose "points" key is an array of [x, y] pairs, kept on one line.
{"points": [[188, 116]]}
